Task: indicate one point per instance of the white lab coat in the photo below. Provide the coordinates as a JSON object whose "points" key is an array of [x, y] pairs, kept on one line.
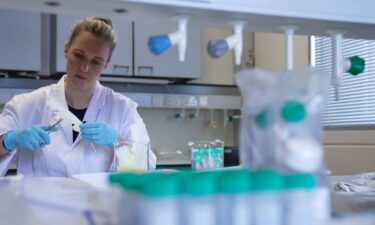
{"points": [[63, 157]]}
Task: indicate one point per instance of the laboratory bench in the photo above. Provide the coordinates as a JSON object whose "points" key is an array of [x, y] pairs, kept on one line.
{"points": [[89, 197]]}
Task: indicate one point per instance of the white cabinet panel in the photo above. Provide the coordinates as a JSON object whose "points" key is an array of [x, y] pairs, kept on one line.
{"points": [[121, 61], [122, 58], [146, 64], [166, 64], [20, 45]]}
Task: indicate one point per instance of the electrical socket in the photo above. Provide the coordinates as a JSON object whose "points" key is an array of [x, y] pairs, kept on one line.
{"points": [[173, 101], [203, 100], [158, 100]]}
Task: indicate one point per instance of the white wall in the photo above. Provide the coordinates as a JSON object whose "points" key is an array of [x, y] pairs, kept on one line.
{"points": [[269, 51], [168, 134], [350, 151]]}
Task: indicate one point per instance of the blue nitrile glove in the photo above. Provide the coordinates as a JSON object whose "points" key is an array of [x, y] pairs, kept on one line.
{"points": [[158, 44], [32, 138], [99, 133]]}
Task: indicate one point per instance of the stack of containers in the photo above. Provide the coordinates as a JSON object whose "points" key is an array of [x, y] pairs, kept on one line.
{"points": [[235, 196], [207, 154]]}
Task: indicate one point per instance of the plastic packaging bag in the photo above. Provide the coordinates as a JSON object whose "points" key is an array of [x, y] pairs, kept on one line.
{"points": [[207, 154], [282, 113]]}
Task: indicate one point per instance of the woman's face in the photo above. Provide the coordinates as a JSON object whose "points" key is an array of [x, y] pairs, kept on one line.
{"points": [[87, 57]]}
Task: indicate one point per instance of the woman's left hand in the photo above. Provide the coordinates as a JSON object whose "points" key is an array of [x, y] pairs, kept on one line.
{"points": [[99, 133]]}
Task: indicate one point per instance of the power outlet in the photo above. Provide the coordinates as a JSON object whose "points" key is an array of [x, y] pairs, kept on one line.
{"points": [[158, 100], [173, 101], [203, 100]]}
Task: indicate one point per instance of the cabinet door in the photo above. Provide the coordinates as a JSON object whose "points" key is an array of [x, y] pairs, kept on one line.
{"points": [[167, 63], [121, 61], [20, 40]]}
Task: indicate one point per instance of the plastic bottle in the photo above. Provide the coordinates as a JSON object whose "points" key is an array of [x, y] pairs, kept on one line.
{"points": [[321, 200], [267, 198], [200, 199], [298, 199], [159, 203], [128, 209], [235, 203]]}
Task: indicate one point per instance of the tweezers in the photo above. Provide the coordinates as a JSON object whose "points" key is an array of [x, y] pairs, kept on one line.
{"points": [[50, 127]]}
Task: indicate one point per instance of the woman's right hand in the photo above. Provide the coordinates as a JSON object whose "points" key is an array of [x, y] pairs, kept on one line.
{"points": [[33, 138]]}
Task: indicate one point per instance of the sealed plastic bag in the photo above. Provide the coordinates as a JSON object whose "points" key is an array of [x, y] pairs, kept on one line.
{"points": [[282, 119]]}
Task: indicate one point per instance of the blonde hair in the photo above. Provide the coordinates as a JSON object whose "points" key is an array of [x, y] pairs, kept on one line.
{"points": [[99, 27]]}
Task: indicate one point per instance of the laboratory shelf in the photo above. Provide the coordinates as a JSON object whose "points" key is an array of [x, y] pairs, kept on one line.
{"points": [[174, 96]]}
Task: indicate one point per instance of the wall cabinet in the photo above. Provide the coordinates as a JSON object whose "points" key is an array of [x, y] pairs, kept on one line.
{"points": [[137, 60], [121, 61], [20, 45]]}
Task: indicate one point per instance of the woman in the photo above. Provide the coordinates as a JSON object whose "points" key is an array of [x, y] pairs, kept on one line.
{"points": [[108, 116]]}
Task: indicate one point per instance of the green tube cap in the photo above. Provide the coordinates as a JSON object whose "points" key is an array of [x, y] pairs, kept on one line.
{"points": [[300, 181], [357, 65], [161, 185], [267, 180], [201, 183], [265, 119], [235, 181], [293, 111]]}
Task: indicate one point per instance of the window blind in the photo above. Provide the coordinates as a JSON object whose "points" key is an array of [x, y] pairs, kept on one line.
{"points": [[356, 105]]}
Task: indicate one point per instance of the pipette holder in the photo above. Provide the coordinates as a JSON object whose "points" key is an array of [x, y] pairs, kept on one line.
{"points": [[160, 43], [216, 48]]}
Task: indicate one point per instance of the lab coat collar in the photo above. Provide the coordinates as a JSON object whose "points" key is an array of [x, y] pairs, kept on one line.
{"points": [[58, 93], [97, 102]]}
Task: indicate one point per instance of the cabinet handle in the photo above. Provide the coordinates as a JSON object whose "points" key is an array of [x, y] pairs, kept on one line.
{"points": [[145, 70], [121, 69]]}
